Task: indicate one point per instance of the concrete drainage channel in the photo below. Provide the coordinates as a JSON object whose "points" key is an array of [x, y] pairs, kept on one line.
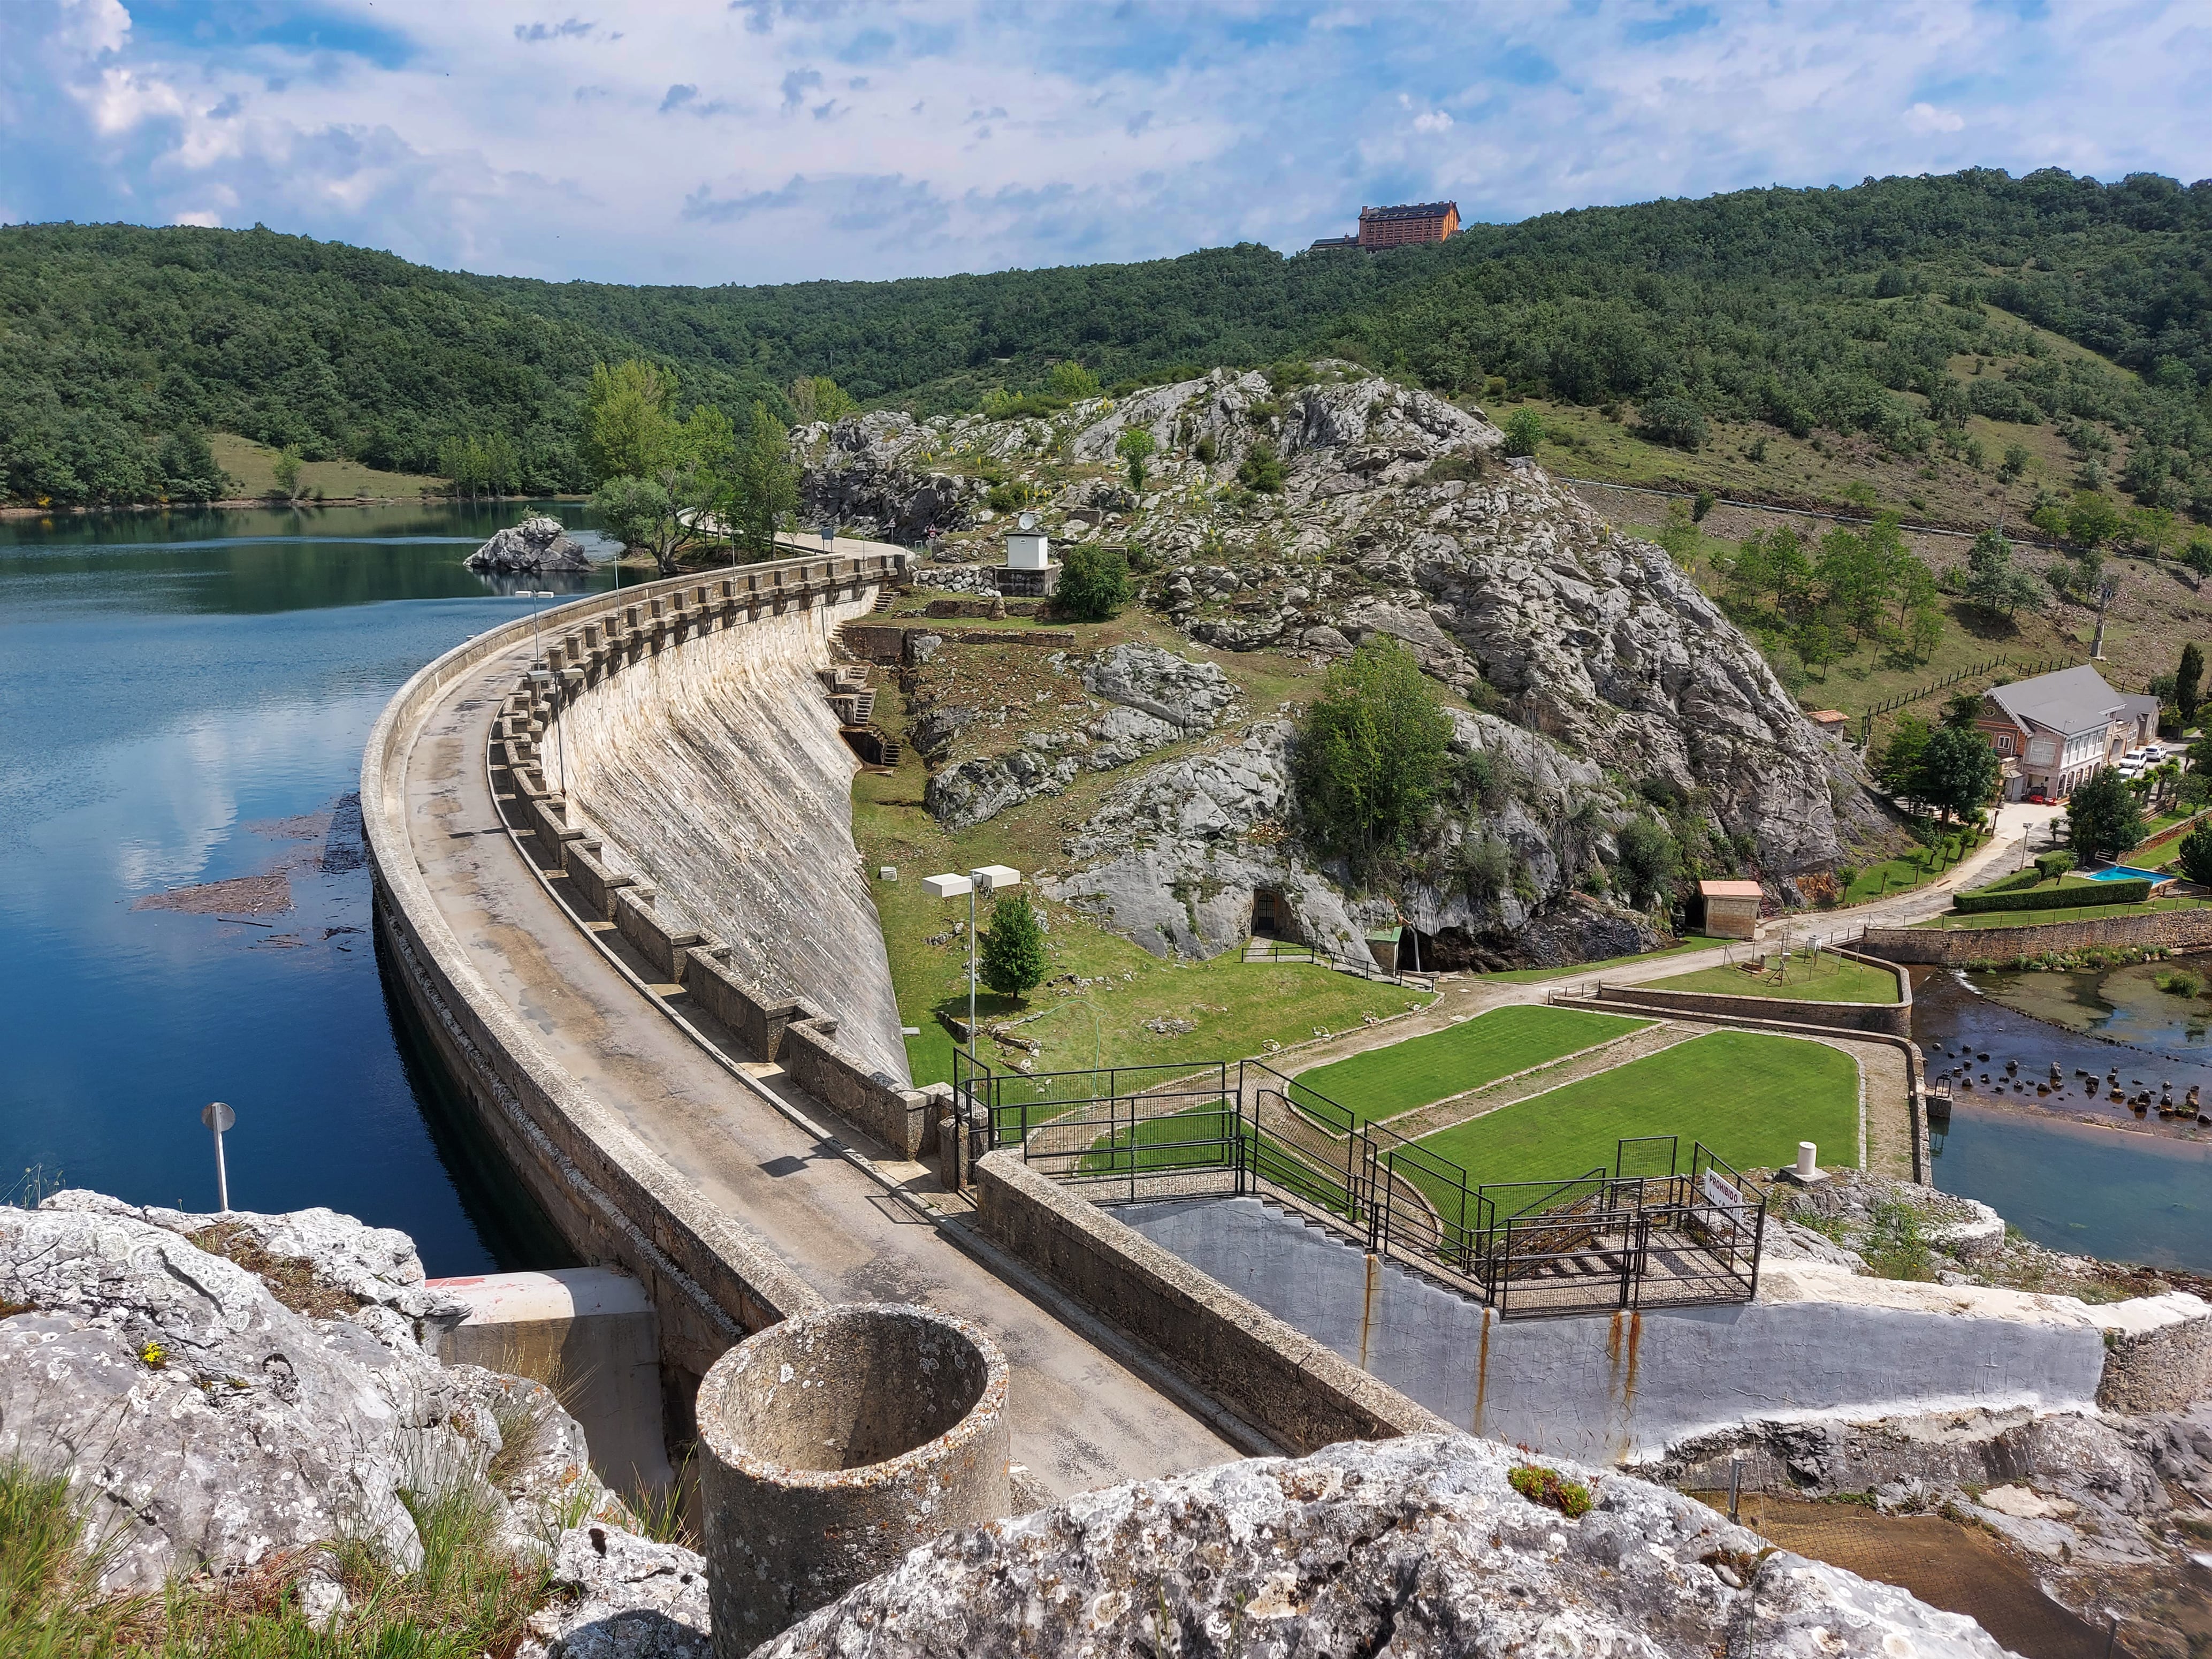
{"points": [[835, 1442]]}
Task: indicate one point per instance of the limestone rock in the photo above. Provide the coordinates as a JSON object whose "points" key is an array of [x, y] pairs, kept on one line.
{"points": [[1189, 696], [622, 1597], [873, 475], [535, 546], [210, 1423], [1417, 1546]]}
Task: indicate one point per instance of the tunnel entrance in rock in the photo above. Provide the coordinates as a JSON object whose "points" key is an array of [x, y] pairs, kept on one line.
{"points": [[1272, 917]]}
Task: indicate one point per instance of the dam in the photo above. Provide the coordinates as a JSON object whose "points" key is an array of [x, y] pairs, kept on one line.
{"points": [[726, 1192]]}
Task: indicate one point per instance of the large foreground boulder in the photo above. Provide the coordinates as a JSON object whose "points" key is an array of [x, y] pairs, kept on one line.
{"points": [[534, 547], [210, 1422], [1412, 1546]]}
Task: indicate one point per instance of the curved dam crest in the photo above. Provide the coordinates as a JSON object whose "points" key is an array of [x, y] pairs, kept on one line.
{"points": [[716, 772]]}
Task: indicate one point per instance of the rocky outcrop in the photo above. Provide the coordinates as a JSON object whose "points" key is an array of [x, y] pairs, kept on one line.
{"points": [[534, 547], [208, 1423], [1412, 1546], [872, 474], [1151, 697]]}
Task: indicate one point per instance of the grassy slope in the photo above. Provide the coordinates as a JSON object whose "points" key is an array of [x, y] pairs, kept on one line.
{"points": [[1827, 978], [1384, 1082], [1750, 1096], [252, 468], [1236, 1008]]}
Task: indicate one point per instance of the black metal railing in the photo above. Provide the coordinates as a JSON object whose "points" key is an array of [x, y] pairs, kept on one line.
{"points": [[1648, 1233]]}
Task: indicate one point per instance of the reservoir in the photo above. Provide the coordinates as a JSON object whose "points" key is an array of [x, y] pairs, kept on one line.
{"points": [[183, 703]]}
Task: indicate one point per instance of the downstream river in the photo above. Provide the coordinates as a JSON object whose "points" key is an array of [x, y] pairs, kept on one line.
{"points": [[2071, 1169], [183, 701]]}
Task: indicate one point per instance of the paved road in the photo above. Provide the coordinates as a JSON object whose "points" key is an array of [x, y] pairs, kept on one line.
{"points": [[1081, 1417]]}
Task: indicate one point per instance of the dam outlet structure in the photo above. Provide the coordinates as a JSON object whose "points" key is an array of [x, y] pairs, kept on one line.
{"points": [[833, 1444]]}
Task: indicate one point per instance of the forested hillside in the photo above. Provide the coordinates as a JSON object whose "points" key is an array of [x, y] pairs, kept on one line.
{"points": [[1837, 310]]}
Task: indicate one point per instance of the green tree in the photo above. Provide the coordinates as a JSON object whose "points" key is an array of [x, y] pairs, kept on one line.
{"points": [[2196, 856], [1958, 771], [1135, 447], [1260, 471], [759, 491], [1671, 420], [1524, 430], [2093, 518], [1094, 583], [629, 420], [1011, 960], [1923, 632], [188, 469], [287, 472], [1896, 763], [2105, 816], [1703, 505], [1790, 570], [1751, 572], [1816, 645], [643, 516], [2189, 681], [1070, 379], [818, 397], [1994, 583], [1649, 858], [1369, 756]]}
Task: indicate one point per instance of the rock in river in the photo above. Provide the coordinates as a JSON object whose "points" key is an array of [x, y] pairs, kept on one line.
{"points": [[535, 546]]}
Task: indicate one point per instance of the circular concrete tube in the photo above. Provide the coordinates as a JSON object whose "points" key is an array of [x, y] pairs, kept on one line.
{"points": [[835, 1442]]}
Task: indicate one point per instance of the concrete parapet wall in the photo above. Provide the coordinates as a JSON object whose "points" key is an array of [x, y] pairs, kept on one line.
{"points": [[2169, 930], [595, 883], [710, 1279], [759, 1023], [1611, 1388], [874, 1101], [1276, 1377], [662, 942]]}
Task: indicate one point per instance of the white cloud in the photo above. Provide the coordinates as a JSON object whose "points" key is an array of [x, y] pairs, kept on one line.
{"points": [[538, 145], [1926, 117]]}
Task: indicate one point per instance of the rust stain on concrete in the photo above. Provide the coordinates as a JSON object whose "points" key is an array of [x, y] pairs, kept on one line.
{"points": [[1481, 1371]]}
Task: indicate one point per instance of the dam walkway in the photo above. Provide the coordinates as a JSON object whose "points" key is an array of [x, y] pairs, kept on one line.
{"points": [[1086, 1410]]}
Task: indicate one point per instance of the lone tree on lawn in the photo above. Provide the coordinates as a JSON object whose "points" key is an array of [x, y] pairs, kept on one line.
{"points": [[2105, 819], [1012, 959], [2189, 681]]}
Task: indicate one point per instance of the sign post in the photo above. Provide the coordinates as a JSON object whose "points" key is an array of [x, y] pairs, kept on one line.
{"points": [[219, 1117]]}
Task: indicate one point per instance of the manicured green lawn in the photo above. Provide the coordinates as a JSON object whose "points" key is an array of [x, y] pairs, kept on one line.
{"points": [[1826, 977], [1748, 1095], [1535, 976], [1384, 1082]]}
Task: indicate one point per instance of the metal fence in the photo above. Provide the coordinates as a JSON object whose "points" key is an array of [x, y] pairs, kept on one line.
{"points": [[1648, 1233]]}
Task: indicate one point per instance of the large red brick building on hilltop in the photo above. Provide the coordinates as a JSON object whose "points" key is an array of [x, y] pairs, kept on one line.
{"points": [[1415, 222]]}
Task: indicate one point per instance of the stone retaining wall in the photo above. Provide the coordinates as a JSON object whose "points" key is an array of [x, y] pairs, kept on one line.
{"points": [[615, 1200], [1884, 1018], [1282, 1381], [2169, 930]]}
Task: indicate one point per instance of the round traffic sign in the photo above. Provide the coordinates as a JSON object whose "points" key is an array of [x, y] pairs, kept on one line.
{"points": [[217, 1117]]}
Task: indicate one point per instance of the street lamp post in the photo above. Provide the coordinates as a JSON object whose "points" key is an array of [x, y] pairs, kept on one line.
{"points": [[988, 878]]}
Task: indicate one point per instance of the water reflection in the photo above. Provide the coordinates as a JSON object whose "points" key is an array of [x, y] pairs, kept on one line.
{"points": [[184, 701]]}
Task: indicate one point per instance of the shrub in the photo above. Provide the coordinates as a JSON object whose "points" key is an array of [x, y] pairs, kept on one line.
{"points": [[1547, 1486], [1094, 583], [1071, 381], [2051, 865], [1672, 420], [1012, 959], [1261, 469], [1524, 430], [2060, 898], [2180, 982]]}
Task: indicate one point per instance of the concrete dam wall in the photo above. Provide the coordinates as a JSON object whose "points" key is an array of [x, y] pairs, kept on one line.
{"points": [[714, 771]]}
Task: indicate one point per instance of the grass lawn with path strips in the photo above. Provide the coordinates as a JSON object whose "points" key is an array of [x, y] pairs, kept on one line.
{"points": [[1537, 975], [1826, 977], [1382, 1082], [1749, 1095]]}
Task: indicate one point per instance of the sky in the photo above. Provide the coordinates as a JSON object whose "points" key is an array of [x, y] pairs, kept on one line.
{"points": [[717, 141]]}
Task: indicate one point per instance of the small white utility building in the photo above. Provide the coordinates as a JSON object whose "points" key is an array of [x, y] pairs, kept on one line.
{"points": [[1028, 572]]}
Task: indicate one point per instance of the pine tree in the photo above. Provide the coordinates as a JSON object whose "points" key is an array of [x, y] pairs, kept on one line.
{"points": [[1013, 958]]}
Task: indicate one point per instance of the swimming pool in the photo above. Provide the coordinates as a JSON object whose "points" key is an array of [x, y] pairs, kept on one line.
{"points": [[2129, 872]]}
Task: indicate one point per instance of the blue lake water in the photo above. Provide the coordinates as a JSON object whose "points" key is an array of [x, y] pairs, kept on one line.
{"points": [[183, 701]]}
